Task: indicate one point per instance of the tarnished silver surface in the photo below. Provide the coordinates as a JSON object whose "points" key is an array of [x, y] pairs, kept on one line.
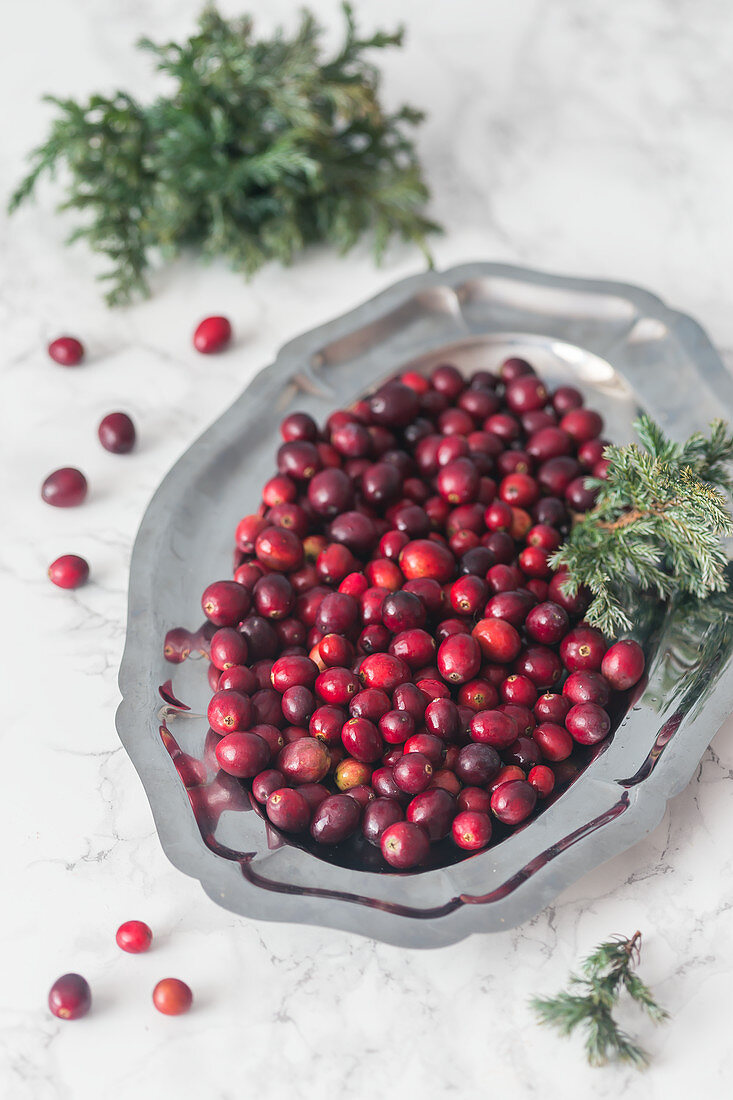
{"points": [[627, 351]]}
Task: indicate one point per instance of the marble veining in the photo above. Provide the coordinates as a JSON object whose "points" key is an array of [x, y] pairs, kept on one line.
{"points": [[591, 139]]}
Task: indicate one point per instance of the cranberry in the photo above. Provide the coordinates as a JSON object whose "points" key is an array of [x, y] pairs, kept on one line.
{"points": [[519, 690], [441, 719], [279, 549], [134, 937], [553, 740], [429, 745], [459, 658], [69, 571], [566, 398], [212, 335], [539, 664], [171, 996], [403, 611], [70, 997], [574, 605], [491, 727], [382, 670], [434, 811], [336, 818], [587, 687], [579, 495], [362, 740], [306, 760], [314, 794], [337, 686], [326, 724], [471, 830], [288, 810], [229, 711], [587, 723], [404, 845], [498, 640], [370, 703], [413, 772], [623, 664], [477, 764], [225, 603], [424, 558], [350, 774], [355, 531], [524, 753], [266, 782], [552, 708], [227, 648], [64, 488], [475, 799], [547, 623], [117, 433], [67, 351], [512, 606], [582, 424], [378, 816], [542, 779], [242, 754], [514, 801], [395, 405], [261, 638], [396, 726], [583, 649], [299, 425]]}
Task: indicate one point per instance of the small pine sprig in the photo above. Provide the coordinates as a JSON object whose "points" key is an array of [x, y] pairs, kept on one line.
{"points": [[657, 523], [589, 1003], [262, 147]]}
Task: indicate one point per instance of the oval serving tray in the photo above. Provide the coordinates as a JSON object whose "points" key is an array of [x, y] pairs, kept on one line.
{"points": [[626, 351]]}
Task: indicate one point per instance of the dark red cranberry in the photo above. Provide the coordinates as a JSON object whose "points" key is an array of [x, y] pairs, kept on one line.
{"points": [[566, 398], [540, 665], [64, 488], [371, 703], [299, 460], [583, 649], [574, 605], [579, 495], [288, 672], [212, 335], [361, 792], [415, 647], [355, 531], [314, 794], [134, 936], [396, 726], [378, 816], [491, 727], [273, 596], [623, 664], [513, 802], [477, 764], [352, 440], [336, 818], [514, 367], [288, 810], [299, 425], [337, 686], [524, 753], [298, 704], [503, 425], [550, 511], [403, 611], [229, 711], [330, 492], [587, 723], [242, 754], [69, 571], [326, 723], [279, 549], [395, 405], [511, 606], [266, 707], [117, 433], [265, 783], [553, 741], [70, 997], [429, 745], [433, 810], [587, 687], [475, 799], [547, 623], [272, 737], [67, 351], [262, 639], [459, 658], [381, 484], [171, 996], [555, 475], [552, 708], [471, 830], [525, 394], [225, 603], [304, 761], [362, 740], [405, 845], [582, 424], [441, 719], [413, 772], [227, 648]]}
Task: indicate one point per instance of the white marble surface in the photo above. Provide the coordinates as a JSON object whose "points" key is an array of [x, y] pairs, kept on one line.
{"points": [[576, 136]]}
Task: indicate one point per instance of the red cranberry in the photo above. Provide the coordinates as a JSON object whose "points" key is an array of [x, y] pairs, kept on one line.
{"points": [[299, 425], [279, 549], [623, 664], [547, 623], [477, 764], [519, 690], [304, 761], [227, 648], [403, 611], [521, 714], [117, 433], [261, 638], [553, 740], [583, 649], [336, 818], [362, 740], [69, 571], [474, 799], [539, 664], [67, 351], [293, 671], [471, 830], [514, 367], [429, 745], [587, 723], [70, 997], [288, 810], [555, 474], [424, 558], [512, 606], [395, 405], [413, 772], [499, 641], [225, 603], [314, 794], [337, 686], [459, 658], [404, 845], [549, 442], [355, 531], [491, 727], [434, 811], [242, 754], [134, 937], [524, 753], [64, 488], [396, 726], [574, 605], [579, 495], [587, 687], [582, 424], [514, 801], [326, 724], [382, 670], [566, 398], [229, 711], [378, 816], [212, 335], [171, 996], [542, 779], [265, 783], [350, 774], [507, 775], [552, 708]]}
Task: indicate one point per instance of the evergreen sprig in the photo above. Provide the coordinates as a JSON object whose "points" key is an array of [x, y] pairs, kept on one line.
{"points": [[657, 523], [590, 1001], [261, 148]]}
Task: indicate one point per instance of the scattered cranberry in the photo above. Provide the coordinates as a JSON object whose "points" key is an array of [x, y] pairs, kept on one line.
{"points": [[64, 488], [117, 433], [69, 571], [172, 997], [212, 335], [70, 997], [67, 351], [134, 937]]}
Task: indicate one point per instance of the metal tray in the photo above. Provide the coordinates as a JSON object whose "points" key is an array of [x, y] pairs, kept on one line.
{"points": [[627, 351]]}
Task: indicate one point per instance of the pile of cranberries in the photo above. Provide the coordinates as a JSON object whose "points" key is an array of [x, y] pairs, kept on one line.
{"points": [[395, 660]]}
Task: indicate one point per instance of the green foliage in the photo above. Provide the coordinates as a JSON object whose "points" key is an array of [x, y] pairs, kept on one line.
{"points": [[590, 1001], [261, 148], [657, 523]]}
